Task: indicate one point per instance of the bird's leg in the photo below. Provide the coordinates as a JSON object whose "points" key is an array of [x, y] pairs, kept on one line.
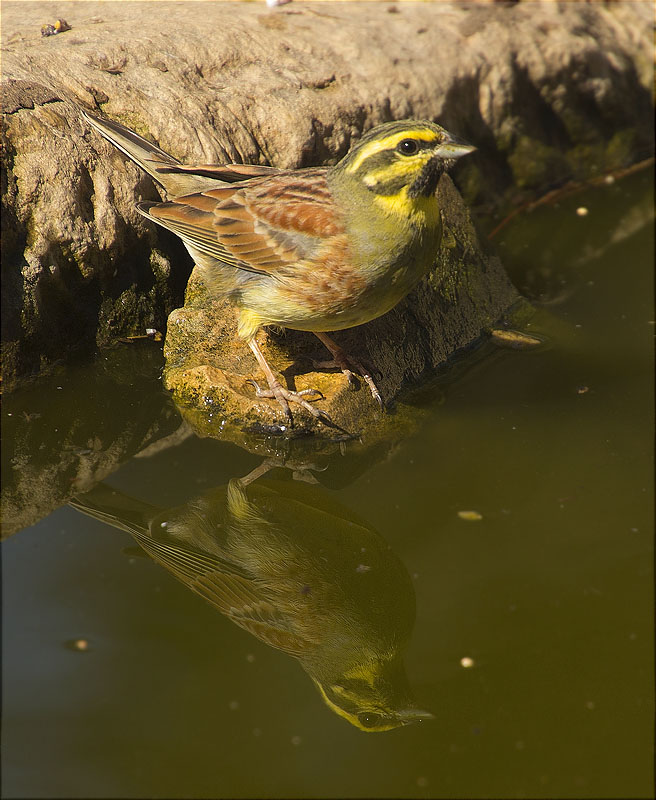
{"points": [[301, 471], [348, 365], [285, 396]]}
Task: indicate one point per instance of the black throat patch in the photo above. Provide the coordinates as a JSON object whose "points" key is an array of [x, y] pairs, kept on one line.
{"points": [[426, 183]]}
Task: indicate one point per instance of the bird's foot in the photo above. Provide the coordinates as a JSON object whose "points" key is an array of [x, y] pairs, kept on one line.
{"points": [[349, 365], [286, 396]]}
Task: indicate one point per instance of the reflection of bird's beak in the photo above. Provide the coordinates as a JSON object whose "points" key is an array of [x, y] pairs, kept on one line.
{"points": [[454, 147], [410, 715]]}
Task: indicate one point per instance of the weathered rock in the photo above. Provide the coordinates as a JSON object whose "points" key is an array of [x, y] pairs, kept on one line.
{"points": [[546, 91]]}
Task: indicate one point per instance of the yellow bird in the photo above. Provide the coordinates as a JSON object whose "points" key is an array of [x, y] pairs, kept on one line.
{"points": [[317, 249]]}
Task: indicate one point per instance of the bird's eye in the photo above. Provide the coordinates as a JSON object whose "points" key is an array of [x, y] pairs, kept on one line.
{"points": [[407, 147], [369, 720]]}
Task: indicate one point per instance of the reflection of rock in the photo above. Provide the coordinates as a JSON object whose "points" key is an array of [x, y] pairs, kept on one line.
{"points": [[299, 572], [65, 433], [546, 91]]}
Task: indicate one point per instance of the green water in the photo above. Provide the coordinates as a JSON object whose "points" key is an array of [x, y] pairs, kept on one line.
{"points": [[549, 593]]}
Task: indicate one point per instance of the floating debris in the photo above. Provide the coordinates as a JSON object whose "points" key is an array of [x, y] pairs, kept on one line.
{"points": [[582, 211], [151, 333], [517, 340], [466, 662], [582, 389], [470, 516], [78, 645]]}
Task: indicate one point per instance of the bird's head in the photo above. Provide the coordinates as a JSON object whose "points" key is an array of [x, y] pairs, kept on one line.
{"points": [[403, 159], [373, 697]]}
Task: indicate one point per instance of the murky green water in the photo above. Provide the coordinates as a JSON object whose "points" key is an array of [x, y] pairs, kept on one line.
{"points": [[533, 639]]}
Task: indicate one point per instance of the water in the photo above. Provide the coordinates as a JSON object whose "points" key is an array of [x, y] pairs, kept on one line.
{"points": [[533, 639]]}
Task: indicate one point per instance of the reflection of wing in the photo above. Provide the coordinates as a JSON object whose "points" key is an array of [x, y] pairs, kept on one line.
{"points": [[229, 589]]}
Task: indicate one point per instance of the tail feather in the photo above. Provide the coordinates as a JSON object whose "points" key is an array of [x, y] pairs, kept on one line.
{"points": [[115, 508], [161, 166]]}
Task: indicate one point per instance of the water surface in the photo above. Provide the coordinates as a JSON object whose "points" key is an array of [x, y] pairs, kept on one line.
{"points": [[533, 640]]}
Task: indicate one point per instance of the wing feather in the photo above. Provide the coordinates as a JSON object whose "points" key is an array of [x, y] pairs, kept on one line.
{"points": [[262, 225]]}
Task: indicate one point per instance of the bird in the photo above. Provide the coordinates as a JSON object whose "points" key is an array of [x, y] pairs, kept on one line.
{"points": [[315, 249], [303, 574]]}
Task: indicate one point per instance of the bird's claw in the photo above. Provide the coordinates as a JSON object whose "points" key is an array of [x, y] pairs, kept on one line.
{"points": [[343, 364], [319, 395], [287, 396]]}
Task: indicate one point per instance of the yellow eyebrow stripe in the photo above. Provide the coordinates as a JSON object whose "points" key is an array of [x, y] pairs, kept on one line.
{"points": [[390, 142]]}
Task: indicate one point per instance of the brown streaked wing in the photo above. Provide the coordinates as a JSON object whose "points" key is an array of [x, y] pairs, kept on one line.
{"points": [[193, 223], [261, 225], [277, 221]]}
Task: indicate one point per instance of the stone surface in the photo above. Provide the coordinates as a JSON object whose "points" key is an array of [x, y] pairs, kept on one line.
{"points": [[546, 92]]}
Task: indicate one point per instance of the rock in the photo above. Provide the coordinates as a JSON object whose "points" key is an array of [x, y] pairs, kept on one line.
{"points": [[546, 91]]}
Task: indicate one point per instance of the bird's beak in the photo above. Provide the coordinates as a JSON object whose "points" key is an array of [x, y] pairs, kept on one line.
{"points": [[453, 147], [408, 715]]}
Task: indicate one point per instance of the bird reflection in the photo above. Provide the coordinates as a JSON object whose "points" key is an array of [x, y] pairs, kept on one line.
{"points": [[283, 561]]}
